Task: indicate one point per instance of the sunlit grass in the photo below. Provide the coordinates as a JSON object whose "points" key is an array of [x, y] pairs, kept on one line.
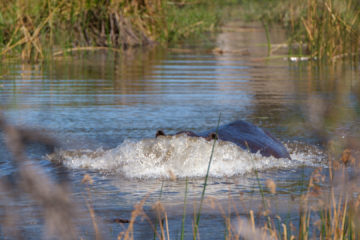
{"points": [[36, 29], [328, 29]]}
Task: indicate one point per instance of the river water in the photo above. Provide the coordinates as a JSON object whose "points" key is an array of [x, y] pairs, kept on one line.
{"points": [[104, 109]]}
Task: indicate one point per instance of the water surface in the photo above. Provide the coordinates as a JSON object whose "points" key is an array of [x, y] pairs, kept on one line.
{"points": [[104, 108]]}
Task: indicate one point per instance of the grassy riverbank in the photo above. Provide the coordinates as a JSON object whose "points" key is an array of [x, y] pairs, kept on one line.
{"points": [[327, 29], [36, 29]]}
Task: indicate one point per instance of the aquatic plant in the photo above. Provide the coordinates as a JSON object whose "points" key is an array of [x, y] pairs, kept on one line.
{"points": [[197, 220], [184, 211]]}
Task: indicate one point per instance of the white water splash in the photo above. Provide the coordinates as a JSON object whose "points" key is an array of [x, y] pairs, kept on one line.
{"points": [[179, 155]]}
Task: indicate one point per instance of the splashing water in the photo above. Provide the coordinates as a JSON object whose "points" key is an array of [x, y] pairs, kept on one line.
{"points": [[182, 156]]}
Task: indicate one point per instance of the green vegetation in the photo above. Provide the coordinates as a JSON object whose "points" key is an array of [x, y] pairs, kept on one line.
{"points": [[192, 17], [39, 28], [323, 29], [42, 28]]}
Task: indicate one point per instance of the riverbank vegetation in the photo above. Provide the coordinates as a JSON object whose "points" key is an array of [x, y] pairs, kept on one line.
{"points": [[37, 29], [326, 29]]}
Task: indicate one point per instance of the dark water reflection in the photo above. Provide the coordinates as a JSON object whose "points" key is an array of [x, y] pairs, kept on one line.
{"points": [[100, 99]]}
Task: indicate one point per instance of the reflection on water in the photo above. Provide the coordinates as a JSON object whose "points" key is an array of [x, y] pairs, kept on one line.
{"points": [[99, 100]]}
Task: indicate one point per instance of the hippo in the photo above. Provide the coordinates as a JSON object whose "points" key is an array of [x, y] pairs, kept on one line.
{"points": [[244, 134]]}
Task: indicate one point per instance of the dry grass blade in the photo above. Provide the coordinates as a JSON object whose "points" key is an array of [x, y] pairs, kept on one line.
{"points": [[138, 211], [248, 231], [77, 49], [88, 180], [30, 39]]}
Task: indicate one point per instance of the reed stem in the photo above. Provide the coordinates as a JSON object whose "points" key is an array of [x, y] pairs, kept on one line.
{"points": [[196, 226]]}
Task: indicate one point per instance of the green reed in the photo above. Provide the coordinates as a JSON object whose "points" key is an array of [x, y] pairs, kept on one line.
{"points": [[184, 211], [160, 195], [323, 29], [197, 220]]}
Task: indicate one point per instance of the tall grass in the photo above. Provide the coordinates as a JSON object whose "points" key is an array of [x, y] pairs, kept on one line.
{"points": [[35, 29], [323, 29]]}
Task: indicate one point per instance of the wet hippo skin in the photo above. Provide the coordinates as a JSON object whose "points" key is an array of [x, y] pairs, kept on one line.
{"points": [[246, 135]]}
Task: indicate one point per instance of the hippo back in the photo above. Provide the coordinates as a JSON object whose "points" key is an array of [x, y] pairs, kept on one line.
{"points": [[250, 137]]}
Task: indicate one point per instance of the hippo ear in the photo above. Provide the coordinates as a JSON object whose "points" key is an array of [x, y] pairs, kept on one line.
{"points": [[212, 136], [160, 133]]}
